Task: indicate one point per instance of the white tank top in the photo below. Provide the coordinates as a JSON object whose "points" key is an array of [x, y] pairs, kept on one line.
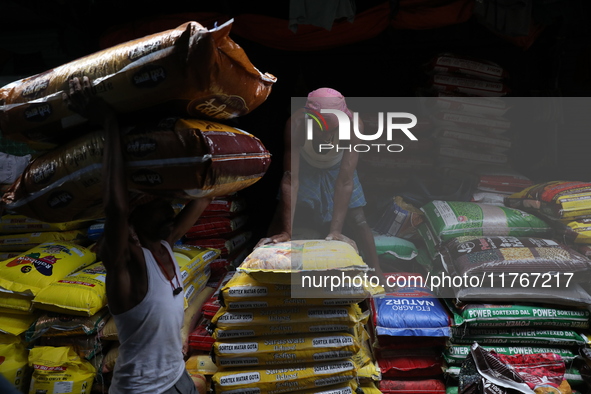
{"points": [[150, 357]]}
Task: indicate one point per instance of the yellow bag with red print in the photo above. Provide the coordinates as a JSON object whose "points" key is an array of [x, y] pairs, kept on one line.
{"points": [[80, 293], [59, 370], [42, 265], [13, 360]]}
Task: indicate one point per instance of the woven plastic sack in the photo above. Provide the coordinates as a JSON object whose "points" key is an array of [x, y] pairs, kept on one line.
{"points": [[200, 72], [14, 356], [86, 346], [18, 224], [59, 370], [450, 219], [347, 315], [456, 354], [276, 262], [252, 331], [518, 336], [468, 86], [284, 379], [515, 315], [16, 323], [450, 63], [200, 338], [225, 206], [80, 293], [227, 245], [498, 255], [215, 226], [411, 311], [182, 158], [24, 242], [410, 366], [42, 265], [289, 349], [16, 303], [556, 199], [193, 260], [400, 386]]}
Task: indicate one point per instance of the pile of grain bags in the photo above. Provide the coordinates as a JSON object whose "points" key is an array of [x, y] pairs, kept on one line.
{"points": [[189, 70], [19, 233], [160, 85], [410, 327], [266, 339], [460, 75], [224, 226], [525, 289], [174, 77]]}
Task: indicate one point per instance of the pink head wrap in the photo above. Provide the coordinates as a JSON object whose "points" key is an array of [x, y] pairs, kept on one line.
{"points": [[327, 98]]}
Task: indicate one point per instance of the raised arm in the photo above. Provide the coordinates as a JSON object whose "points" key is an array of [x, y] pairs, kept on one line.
{"points": [[115, 244], [292, 139], [187, 218]]}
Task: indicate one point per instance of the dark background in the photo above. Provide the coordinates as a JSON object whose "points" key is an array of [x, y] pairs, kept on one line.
{"points": [[37, 35]]}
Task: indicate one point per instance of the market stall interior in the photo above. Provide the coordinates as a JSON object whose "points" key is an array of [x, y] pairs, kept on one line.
{"points": [[499, 177]]}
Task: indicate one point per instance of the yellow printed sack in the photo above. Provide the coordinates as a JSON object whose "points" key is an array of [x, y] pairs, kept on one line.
{"points": [[16, 323], [59, 370], [18, 224], [281, 329], [290, 349], [196, 285], [24, 242], [276, 263], [280, 380], [198, 258], [16, 303], [42, 265], [244, 288], [13, 360], [349, 314], [192, 314], [80, 293]]}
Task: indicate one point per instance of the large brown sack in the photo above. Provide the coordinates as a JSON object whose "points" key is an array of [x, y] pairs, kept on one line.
{"points": [[190, 70], [180, 158]]}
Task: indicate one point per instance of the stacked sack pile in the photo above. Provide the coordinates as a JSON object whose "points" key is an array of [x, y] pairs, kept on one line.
{"points": [[167, 87], [270, 337], [471, 130], [459, 75], [199, 364], [410, 327], [53, 289], [224, 226], [494, 254]]}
